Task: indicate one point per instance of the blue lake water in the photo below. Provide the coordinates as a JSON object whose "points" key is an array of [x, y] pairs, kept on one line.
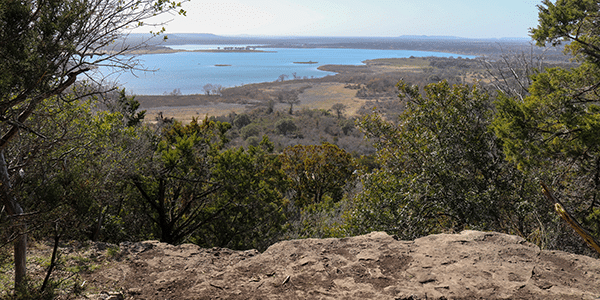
{"points": [[190, 71]]}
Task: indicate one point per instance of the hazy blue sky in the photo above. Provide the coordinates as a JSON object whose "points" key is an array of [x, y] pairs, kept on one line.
{"points": [[463, 18]]}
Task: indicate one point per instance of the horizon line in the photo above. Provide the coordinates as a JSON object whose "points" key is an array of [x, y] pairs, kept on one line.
{"points": [[328, 36]]}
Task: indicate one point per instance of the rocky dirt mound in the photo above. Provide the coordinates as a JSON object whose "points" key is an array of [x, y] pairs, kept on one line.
{"points": [[469, 265]]}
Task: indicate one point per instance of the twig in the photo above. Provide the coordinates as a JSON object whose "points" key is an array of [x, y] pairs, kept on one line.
{"points": [[52, 259]]}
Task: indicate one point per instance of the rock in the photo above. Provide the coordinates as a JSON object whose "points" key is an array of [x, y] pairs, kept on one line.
{"points": [[107, 296], [134, 291], [136, 248], [469, 265]]}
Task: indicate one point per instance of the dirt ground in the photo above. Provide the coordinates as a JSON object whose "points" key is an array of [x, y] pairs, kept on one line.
{"points": [[469, 265]]}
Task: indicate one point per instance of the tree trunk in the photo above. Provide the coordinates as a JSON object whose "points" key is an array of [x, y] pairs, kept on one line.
{"points": [[14, 210], [97, 229]]}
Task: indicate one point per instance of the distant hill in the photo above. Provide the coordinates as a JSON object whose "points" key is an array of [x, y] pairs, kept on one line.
{"points": [[173, 38], [447, 37], [209, 38], [491, 47], [430, 37]]}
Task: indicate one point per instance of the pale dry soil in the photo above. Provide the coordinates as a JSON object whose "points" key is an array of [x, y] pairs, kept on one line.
{"points": [[469, 265]]}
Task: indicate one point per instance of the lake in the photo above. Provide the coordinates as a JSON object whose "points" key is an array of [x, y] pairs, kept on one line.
{"points": [[190, 71]]}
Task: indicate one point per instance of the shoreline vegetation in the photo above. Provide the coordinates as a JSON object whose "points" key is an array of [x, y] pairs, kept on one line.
{"points": [[167, 50]]}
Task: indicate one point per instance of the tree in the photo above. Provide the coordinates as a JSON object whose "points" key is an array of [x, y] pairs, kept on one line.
{"points": [[46, 46], [249, 130], [289, 97], [208, 88], [282, 77], [217, 89], [71, 180], [128, 107], [553, 133], [253, 182], [241, 120], [175, 182], [317, 170], [440, 168], [175, 92], [573, 21], [339, 109], [285, 126]]}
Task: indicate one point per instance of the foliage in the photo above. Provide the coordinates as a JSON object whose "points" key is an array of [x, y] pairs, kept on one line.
{"points": [[175, 182], [249, 130], [48, 44], [193, 189], [318, 220], [45, 46], [285, 126], [553, 133], [128, 107], [101, 174], [241, 120], [69, 178], [573, 21], [252, 190], [441, 169], [339, 109], [317, 170]]}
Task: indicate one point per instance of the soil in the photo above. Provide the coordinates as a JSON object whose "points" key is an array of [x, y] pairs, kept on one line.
{"points": [[469, 265]]}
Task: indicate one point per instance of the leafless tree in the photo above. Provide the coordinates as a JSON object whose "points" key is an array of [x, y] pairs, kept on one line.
{"points": [[339, 109], [282, 77], [511, 72], [208, 88], [289, 97]]}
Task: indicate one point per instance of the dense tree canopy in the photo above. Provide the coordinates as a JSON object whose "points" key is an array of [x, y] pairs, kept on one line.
{"points": [[175, 181], [571, 21], [46, 46], [554, 132], [253, 184], [317, 170], [441, 168]]}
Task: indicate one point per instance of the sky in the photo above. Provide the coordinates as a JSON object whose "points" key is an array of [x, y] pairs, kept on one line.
{"points": [[358, 18]]}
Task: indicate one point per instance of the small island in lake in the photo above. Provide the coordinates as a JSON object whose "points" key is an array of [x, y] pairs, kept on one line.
{"points": [[310, 62], [222, 65]]}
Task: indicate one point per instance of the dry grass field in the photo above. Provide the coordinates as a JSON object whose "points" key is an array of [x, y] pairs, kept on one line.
{"points": [[186, 113], [325, 95]]}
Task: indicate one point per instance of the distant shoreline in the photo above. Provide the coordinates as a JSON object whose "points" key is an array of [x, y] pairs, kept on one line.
{"points": [[167, 50]]}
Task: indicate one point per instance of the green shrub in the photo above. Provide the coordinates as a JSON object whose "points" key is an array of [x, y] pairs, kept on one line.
{"points": [[250, 130]]}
